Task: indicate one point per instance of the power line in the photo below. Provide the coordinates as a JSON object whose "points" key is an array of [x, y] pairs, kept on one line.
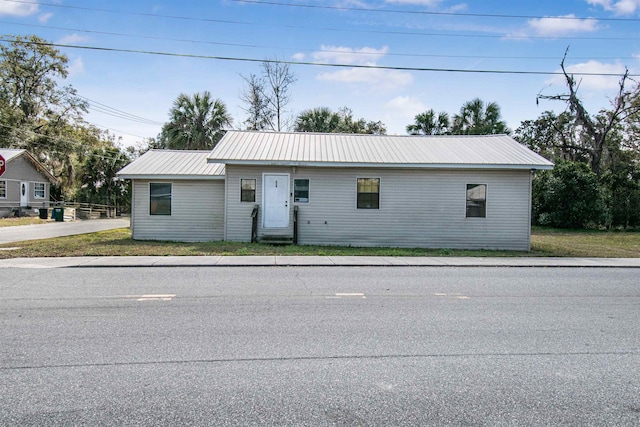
{"points": [[339, 8], [255, 46], [318, 64], [421, 12], [307, 28], [74, 144], [103, 108]]}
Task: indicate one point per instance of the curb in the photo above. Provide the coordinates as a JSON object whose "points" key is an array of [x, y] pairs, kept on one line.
{"points": [[314, 261]]}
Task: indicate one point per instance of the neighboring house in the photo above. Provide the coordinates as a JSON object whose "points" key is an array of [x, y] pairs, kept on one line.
{"points": [[358, 190], [176, 195], [25, 183]]}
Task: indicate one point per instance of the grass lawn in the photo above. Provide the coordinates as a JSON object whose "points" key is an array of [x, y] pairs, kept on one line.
{"points": [[25, 220], [544, 242]]}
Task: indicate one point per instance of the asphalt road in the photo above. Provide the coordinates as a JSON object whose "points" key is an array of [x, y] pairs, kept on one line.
{"points": [[58, 229], [320, 346]]}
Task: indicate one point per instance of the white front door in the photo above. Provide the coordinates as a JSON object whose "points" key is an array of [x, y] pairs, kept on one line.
{"points": [[275, 200], [24, 194]]}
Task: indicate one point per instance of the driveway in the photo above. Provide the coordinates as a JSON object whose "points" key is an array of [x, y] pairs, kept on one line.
{"points": [[59, 229]]}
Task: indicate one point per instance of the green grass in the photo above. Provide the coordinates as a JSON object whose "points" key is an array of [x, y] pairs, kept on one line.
{"points": [[545, 242], [25, 220], [586, 243]]}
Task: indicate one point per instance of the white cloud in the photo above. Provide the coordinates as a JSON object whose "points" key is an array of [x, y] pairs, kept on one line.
{"points": [[620, 7], [415, 2], [72, 39], [76, 67], [401, 111], [348, 55], [405, 106], [378, 78], [44, 18], [299, 56], [361, 58], [17, 9], [554, 26], [595, 83]]}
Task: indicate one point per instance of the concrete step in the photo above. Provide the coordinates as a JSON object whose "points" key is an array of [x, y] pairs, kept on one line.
{"points": [[276, 240]]}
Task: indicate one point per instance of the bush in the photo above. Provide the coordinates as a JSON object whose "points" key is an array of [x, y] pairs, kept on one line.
{"points": [[569, 196]]}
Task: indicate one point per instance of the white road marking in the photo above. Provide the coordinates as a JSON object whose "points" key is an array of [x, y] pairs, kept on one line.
{"points": [[349, 294], [457, 295], [155, 297]]}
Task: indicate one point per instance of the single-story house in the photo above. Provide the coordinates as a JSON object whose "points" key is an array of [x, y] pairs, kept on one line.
{"points": [[352, 190], [24, 184]]}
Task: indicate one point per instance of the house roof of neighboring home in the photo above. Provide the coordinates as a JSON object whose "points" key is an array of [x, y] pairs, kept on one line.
{"points": [[173, 164], [340, 150], [10, 154]]}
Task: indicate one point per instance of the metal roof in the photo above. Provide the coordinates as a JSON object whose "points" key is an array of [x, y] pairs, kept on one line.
{"points": [[10, 154], [173, 164], [316, 149]]}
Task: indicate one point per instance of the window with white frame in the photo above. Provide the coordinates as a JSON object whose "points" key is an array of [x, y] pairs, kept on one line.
{"points": [[368, 193], [476, 200], [301, 190], [38, 190], [160, 198], [248, 190], [3, 189]]}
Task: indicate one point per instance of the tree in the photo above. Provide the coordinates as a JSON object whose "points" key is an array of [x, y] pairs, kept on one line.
{"points": [[253, 95], [268, 95], [99, 183], [30, 69], [321, 120], [196, 123], [553, 136], [325, 121], [568, 196], [476, 118], [597, 128], [429, 123], [37, 114]]}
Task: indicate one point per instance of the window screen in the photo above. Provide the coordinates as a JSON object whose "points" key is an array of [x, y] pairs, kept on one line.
{"points": [[160, 198], [247, 190], [301, 190], [368, 193], [476, 200]]}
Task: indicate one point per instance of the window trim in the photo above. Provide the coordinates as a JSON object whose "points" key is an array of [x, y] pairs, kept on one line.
{"points": [[308, 190], [35, 191], [379, 192], [466, 200], [4, 187], [255, 190], [170, 199]]}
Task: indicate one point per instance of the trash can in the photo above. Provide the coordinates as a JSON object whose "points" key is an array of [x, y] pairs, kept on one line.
{"points": [[57, 214], [44, 213]]}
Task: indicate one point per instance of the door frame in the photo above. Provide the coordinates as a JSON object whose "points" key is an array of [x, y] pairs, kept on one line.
{"points": [[24, 198], [264, 197]]}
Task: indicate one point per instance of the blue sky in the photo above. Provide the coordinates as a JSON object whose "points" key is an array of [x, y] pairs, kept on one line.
{"points": [[603, 36]]}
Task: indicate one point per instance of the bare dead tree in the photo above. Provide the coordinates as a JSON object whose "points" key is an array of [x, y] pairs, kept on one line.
{"points": [[596, 129], [259, 115], [279, 78]]}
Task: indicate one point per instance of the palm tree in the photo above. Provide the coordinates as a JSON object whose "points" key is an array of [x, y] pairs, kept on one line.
{"points": [[477, 119], [318, 120], [428, 123], [197, 123]]}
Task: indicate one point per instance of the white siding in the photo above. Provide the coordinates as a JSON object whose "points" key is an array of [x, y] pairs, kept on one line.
{"points": [[238, 214], [21, 170], [418, 208], [197, 212]]}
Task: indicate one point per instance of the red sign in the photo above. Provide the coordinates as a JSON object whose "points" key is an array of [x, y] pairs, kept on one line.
{"points": [[3, 165]]}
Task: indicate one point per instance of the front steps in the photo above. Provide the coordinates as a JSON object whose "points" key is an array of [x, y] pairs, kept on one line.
{"points": [[276, 240]]}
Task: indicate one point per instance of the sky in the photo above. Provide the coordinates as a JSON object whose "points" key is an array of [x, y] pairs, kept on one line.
{"points": [[386, 60]]}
